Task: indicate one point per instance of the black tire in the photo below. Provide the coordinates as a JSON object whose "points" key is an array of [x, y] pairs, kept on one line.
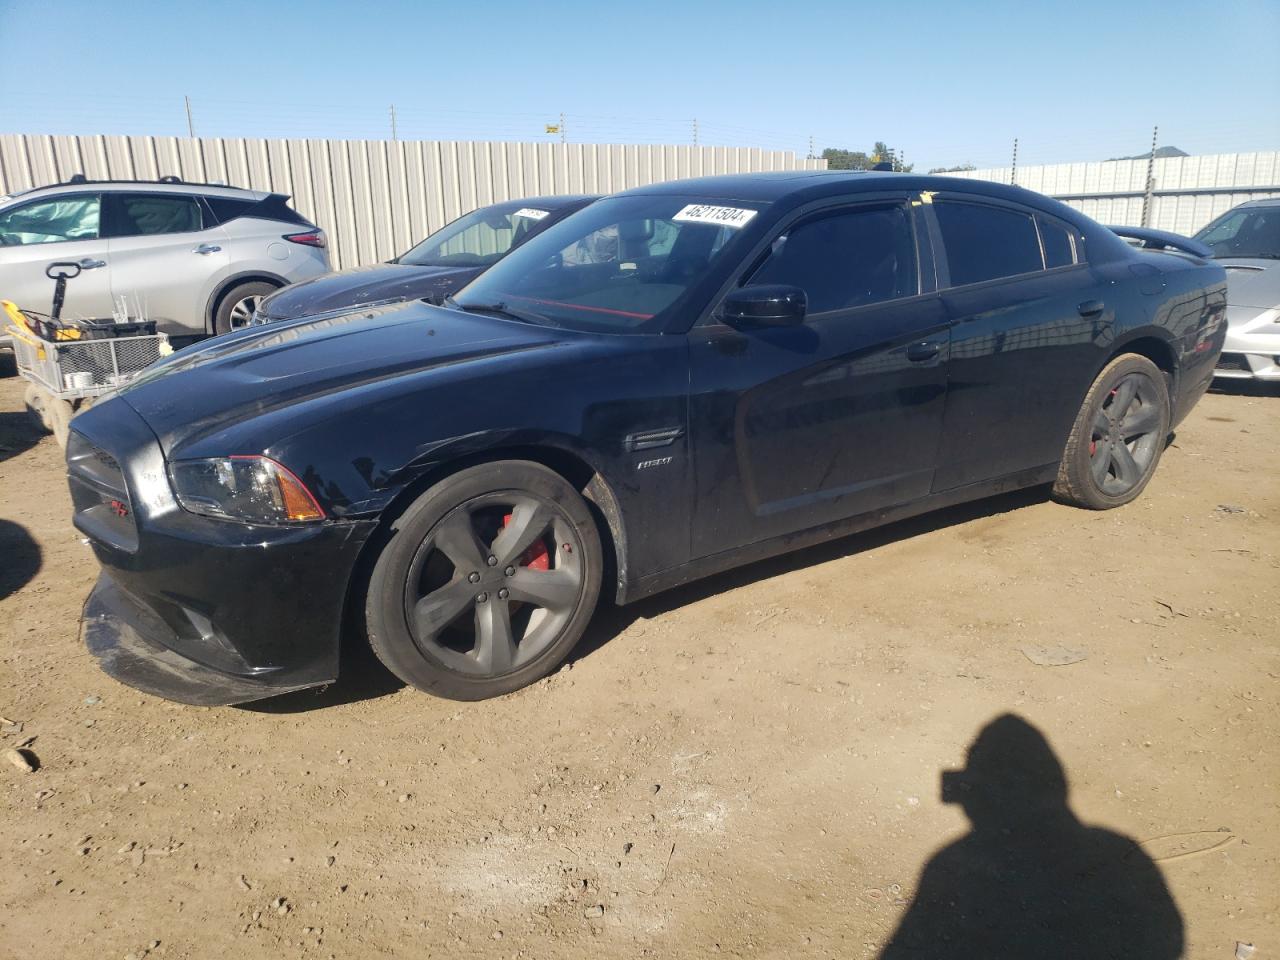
{"points": [[1118, 436], [525, 612], [227, 317]]}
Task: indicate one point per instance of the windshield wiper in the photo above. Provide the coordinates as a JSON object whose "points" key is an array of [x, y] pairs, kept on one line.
{"points": [[500, 308], [1246, 256]]}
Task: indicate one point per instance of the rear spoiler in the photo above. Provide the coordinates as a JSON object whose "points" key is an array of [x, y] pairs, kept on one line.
{"points": [[1163, 239]]}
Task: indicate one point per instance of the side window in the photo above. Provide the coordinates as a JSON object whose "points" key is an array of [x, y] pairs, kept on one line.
{"points": [[986, 243], [1059, 248], [228, 208], [148, 214], [845, 259], [49, 221]]}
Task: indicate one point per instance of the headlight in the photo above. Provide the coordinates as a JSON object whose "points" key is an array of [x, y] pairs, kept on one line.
{"points": [[249, 489]]}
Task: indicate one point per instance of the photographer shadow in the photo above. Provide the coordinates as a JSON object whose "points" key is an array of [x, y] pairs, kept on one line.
{"points": [[1030, 880]]}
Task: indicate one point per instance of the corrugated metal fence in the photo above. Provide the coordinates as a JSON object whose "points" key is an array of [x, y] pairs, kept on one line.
{"points": [[376, 198], [1187, 192]]}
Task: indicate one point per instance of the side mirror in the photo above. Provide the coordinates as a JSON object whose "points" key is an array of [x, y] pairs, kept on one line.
{"points": [[767, 305]]}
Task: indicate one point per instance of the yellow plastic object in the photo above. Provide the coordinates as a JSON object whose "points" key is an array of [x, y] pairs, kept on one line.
{"points": [[16, 316], [20, 320]]}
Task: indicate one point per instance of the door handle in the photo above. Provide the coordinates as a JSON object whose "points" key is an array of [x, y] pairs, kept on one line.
{"points": [[207, 248], [924, 350], [90, 264], [1091, 308]]}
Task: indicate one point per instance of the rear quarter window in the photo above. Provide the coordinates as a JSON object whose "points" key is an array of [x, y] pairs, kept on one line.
{"points": [[1059, 248], [228, 208], [987, 242]]}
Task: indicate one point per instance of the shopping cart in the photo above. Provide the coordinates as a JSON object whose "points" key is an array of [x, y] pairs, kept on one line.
{"points": [[67, 364]]}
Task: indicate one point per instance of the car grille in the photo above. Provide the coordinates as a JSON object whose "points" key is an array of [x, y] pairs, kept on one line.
{"points": [[99, 494], [1234, 363]]}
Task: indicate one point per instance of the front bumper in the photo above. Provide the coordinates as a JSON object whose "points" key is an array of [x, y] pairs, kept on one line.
{"points": [[129, 641], [196, 609], [1252, 348]]}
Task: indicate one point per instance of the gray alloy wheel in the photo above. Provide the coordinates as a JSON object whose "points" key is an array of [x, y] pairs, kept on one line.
{"points": [[242, 311], [1123, 441], [235, 310], [486, 582], [507, 555], [1118, 436]]}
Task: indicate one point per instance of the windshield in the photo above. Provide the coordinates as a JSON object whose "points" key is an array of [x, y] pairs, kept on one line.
{"points": [[480, 239], [1252, 232], [622, 265]]}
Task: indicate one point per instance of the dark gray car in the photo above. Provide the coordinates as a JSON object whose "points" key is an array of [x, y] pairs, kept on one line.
{"points": [[446, 261]]}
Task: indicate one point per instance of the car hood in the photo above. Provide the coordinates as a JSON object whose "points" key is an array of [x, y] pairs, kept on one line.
{"points": [[1252, 282], [225, 381], [358, 285]]}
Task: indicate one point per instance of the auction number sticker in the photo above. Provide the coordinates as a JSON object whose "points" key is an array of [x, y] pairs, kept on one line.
{"points": [[530, 213], [735, 217]]}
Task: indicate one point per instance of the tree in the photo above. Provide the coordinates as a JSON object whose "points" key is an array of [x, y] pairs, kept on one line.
{"points": [[838, 159], [955, 169]]}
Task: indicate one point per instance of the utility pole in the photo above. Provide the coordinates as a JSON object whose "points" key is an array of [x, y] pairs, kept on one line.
{"points": [[191, 127], [695, 131], [811, 146], [562, 133], [1148, 193], [393, 123], [1013, 174]]}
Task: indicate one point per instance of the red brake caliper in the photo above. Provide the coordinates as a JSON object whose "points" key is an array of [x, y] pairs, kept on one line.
{"points": [[536, 557]]}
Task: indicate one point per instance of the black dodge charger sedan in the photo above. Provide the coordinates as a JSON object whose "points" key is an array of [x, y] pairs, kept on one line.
{"points": [[442, 264], [672, 381]]}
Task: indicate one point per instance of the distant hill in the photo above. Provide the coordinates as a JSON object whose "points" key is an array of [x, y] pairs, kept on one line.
{"points": [[1160, 152]]}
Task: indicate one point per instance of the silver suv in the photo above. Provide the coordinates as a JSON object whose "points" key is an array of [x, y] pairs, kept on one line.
{"points": [[196, 258]]}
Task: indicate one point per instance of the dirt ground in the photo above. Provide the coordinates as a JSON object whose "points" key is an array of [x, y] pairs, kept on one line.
{"points": [[749, 766]]}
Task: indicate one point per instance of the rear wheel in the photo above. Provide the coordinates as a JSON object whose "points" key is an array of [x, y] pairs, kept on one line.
{"points": [[487, 582], [235, 310], [1118, 436]]}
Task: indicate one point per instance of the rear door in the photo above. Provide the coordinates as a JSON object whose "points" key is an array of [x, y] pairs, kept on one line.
{"points": [[58, 229], [1023, 342], [796, 427], [164, 248]]}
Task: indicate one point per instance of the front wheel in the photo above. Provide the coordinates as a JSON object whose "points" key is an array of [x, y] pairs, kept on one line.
{"points": [[486, 583], [1118, 436]]}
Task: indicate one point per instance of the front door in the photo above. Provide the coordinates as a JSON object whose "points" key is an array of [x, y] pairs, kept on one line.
{"points": [[795, 427], [61, 229]]}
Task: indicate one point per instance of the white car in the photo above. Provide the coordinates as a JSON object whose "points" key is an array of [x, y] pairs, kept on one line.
{"points": [[1246, 240], [195, 258]]}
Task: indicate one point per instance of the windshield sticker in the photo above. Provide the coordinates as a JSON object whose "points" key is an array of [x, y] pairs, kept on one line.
{"points": [[531, 213], [735, 217]]}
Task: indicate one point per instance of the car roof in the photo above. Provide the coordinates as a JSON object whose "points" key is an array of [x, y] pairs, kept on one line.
{"points": [[149, 186], [802, 185], [550, 203]]}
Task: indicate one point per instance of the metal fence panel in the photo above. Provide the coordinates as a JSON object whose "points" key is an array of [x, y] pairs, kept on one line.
{"points": [[1187, 192], [376, 198]]}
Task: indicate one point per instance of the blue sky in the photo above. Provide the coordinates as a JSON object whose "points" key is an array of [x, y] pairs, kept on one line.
{"points": [[943, 82]]}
